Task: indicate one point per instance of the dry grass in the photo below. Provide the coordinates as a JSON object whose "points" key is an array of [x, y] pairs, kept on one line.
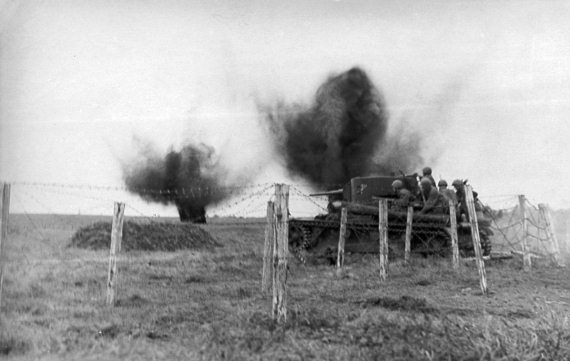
{"points": [[202, 305]]}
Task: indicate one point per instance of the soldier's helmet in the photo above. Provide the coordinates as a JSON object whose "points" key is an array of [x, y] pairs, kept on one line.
{"points": [[397, 184], [457, 183], [425, 183], [426, 171], [442, 183]]}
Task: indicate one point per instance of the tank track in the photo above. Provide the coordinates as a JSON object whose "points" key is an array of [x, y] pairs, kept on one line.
{"points": [[302, 247]]}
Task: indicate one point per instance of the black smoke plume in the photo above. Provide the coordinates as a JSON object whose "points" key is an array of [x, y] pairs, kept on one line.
{"points": [[343, 134], [188, 179]]}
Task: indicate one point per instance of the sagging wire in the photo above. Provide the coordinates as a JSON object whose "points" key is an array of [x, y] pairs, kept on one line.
{"points": [[180, 193], [307, 197], [41, 204], [534, 222], [511, 223], [82, 196], [245, 198], [34, 226]]}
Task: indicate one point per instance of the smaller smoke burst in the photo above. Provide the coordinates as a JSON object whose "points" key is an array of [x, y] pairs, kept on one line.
{"points": [[188, 179]]}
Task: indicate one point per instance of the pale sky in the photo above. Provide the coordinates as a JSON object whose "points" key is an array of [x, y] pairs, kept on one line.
{"points": [[485, 82]]}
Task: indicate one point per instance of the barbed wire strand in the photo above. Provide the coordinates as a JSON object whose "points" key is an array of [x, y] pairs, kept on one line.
{"points": [[82, 196], [35, 228], [246, 201], [27, 215], [180, 192], [307, 197], [51, 212], [501, 230]]}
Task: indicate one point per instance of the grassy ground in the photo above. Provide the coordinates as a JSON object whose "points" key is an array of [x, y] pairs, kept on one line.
{"points": [[207, 305]]}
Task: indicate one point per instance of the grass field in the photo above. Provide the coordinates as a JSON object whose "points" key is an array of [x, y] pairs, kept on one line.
{"points": [[207, 304]]}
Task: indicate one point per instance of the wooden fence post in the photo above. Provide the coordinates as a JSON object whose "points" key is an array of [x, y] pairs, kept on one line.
{"points": [[280, 253], [383, 238], [341, 241], [408, 241], [116, 238], [454, 237], [5, 211], [527, 264], [545, 211], [266, 275], [475, 236]]}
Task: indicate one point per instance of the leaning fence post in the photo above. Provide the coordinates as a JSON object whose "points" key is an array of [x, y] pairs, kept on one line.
{"points": [[527, 264], [383, 238], [408, 241], [545, 211], [116, 238], [475, 236], [268, 247], [280, 253], [5, 207], [454, 237], [341, 241]]}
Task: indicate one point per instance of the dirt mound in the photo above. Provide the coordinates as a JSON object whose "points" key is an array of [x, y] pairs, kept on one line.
{"points": [[152, 236]]}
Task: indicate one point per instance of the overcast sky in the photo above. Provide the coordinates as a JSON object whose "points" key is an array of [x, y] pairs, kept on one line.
{"points": [[485, 82]]}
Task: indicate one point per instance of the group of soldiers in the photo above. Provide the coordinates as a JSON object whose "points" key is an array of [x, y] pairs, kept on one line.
{"points": [[432, 198]]}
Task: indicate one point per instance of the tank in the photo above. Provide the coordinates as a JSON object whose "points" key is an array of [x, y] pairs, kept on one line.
{"points": [[316, 239]]}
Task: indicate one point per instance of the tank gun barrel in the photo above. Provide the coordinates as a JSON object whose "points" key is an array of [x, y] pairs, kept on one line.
{"points": [[327, 193]]}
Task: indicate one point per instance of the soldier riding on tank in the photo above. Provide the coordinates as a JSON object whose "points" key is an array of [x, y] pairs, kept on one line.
{"points": [[434, 201], [447, 193], [426, 174], [462, 213], [404, 196]]}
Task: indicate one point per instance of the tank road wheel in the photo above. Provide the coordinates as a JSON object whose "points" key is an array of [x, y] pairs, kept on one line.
{"points": [[441, 244], [485, 245], [485, 234], [466, 245], [324, 247], [437, 242], [299, 241]]}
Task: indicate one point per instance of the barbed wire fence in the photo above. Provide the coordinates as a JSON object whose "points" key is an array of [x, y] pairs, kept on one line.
{"points": [[250, 202], [40, 239], [521, 227]]}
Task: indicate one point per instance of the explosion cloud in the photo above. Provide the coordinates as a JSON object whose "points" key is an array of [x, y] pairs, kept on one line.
{"points": [[342, 135], [188, 179]]}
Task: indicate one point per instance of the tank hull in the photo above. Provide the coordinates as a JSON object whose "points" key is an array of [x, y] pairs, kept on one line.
{"points": [[316, 239], [431, 233]]}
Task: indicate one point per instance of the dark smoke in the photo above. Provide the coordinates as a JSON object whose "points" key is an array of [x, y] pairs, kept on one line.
{"points": [[342, 135], [187, 179]]}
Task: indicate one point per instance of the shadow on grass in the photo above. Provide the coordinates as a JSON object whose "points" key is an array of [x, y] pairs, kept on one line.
{"points": [[195, 279], [133, 301], [404, 303], [11, 343]]}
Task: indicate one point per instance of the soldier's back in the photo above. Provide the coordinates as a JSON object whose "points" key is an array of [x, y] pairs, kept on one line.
{"points": [[448, 194]]}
